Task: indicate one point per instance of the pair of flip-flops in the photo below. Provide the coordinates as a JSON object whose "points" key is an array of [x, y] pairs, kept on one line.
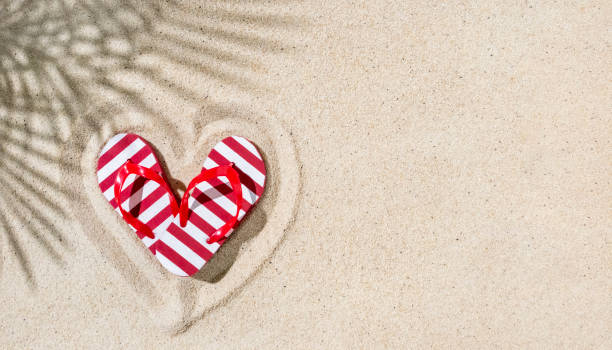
{"points": [[183, 235]]}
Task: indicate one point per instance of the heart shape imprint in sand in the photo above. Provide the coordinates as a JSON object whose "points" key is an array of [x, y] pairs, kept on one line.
{"points": [[183, 238]]}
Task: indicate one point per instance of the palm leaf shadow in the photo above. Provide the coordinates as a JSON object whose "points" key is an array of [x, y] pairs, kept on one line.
{"points": [[55, 59]]}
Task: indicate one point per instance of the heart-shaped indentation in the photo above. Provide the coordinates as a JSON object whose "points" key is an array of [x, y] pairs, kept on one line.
{"points": [[184, 246], [181, 144]]}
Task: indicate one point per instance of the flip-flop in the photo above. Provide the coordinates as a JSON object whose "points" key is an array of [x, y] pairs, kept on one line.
{"points": [[182, 238], [211, 203]]}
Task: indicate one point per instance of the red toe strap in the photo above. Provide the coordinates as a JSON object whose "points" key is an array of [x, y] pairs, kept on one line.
{"points": [[131, 168], [234, 179]]}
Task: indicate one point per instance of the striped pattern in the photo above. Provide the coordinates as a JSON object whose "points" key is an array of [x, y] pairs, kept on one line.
{"points": [[182, 250]]}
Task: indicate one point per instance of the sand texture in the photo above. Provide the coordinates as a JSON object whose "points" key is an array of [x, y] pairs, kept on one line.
{"points": [[438, 172]]}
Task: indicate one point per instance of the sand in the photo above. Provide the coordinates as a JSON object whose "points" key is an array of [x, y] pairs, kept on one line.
{"points": [[439, 173]]}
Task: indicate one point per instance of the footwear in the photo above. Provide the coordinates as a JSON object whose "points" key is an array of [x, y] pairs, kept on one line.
{"points": [[185, 237]]}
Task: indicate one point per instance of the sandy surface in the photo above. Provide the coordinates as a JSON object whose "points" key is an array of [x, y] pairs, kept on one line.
{"points": [[439, 174]]}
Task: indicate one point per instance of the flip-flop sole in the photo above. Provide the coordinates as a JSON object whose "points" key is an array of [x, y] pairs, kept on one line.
{"points": [[182, 250], [145, 200], [212, 203]]}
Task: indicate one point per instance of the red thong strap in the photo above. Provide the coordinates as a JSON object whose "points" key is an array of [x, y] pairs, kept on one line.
{"points": [[234, 179], [131, 168]]}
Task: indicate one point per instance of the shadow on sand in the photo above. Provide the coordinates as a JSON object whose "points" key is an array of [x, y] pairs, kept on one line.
{"points": [[60, 58]]}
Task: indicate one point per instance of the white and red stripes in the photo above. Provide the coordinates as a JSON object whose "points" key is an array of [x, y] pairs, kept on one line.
{"points": [[182, 250]]}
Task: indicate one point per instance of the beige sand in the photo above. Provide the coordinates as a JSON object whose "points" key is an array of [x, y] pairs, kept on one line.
{"points": [[439, 173]]}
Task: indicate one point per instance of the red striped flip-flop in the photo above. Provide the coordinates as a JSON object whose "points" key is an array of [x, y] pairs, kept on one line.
{"points": [[185, 237]]}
